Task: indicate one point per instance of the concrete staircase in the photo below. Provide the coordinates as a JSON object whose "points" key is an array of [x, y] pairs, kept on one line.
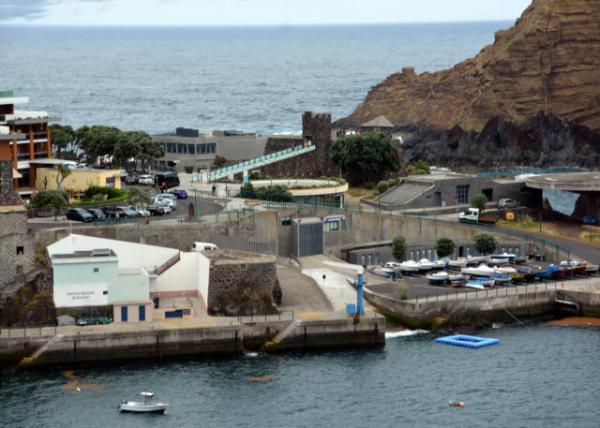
{"points": [[282, 335], [29, 360]]}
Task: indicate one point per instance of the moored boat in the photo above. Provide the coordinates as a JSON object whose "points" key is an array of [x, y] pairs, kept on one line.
{"points": [[409, 266], [439, 264], [481, 270], [438, 278], [147, 406]]}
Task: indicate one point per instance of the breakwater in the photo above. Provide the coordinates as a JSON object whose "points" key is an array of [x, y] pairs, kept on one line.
{"points": [[497, 304], [74, 346]]}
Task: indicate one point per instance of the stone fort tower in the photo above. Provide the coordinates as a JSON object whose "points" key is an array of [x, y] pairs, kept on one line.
{"points": [[317, 130]]}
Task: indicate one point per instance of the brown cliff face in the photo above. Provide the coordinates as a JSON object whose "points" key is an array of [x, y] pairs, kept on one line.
{"points": [[548, 62]]}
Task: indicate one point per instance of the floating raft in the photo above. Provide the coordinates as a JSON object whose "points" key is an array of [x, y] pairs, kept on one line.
{"points": [[467, 341]]}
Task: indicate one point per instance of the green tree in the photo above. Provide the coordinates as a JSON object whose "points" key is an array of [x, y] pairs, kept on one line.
{"points": [[485, 243], [138, 197], [383, 186], [367, 157], [99, 143], [128, 147], [150, 150], [399, 248], [444, 247], [62, 138], [56, 199], [479, 201], [62, 172]]}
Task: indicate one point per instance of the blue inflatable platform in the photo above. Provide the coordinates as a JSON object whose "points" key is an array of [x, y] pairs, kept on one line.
{"points": [[467, 341]]}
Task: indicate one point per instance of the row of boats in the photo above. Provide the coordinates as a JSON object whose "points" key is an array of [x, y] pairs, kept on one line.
{"points": [[487, 271]]}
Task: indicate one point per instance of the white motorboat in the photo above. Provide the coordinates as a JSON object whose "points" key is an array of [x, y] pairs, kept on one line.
{"points": [[147, 406], [425, 265], [438, 278], [409, 266], [457, 264], [439, 264], [482, 270], [498, 260], [591, 269]]}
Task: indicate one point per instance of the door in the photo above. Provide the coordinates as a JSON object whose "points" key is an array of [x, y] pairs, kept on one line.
{"points": [[461, 251], [123, 313], [142, 313], [437, 199]]}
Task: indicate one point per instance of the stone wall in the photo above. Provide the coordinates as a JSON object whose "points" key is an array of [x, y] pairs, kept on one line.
{"points": [[242, 283], [316, 128]]}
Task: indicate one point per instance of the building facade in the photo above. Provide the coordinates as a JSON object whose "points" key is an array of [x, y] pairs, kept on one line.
{"points": [[30, 138]]}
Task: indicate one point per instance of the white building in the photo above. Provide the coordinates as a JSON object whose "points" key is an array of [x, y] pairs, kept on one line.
{"points": [[141, 282]]}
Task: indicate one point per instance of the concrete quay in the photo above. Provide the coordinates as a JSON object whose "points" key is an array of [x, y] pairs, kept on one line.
{"points": [[496, 304], [157, 341]]}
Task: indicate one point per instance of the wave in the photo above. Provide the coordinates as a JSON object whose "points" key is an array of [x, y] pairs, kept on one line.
{"points": [[404, 333]]}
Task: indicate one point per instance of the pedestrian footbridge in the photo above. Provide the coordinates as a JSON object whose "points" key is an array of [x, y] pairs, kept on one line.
{"points": [[259, 162]]}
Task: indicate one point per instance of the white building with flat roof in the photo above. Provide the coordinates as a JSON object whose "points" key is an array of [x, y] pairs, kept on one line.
{"points": [[141, 282]]}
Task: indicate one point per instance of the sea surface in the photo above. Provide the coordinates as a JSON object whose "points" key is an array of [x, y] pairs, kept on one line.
{"points": [[539, 376], [253, 79]]}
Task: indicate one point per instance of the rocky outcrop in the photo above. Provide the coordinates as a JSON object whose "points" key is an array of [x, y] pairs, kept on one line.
{"points": [[541, 141], [548, 62]]}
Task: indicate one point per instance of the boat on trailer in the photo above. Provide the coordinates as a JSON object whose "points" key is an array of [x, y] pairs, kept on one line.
{"points": [[438, 278], [409, 266], [147, 406]]}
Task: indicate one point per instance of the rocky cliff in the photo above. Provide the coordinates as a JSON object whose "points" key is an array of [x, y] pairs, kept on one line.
{"points": [[548, 62]]}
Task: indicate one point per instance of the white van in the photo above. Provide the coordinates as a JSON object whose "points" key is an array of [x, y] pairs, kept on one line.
{"points": [[204, 246]]}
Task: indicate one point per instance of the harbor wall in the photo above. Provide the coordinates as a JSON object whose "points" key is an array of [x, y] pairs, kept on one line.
{"points": [[468, 309], [79, 346]]}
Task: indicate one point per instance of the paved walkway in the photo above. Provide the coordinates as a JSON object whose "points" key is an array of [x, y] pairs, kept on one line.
{"points": [[300, 292]]}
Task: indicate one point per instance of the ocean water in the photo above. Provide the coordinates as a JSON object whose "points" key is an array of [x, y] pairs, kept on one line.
{"points": [[253, 79], [538, 376]]}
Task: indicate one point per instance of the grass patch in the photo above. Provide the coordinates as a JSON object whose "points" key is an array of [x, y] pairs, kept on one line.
{"points": [[359, 192]]}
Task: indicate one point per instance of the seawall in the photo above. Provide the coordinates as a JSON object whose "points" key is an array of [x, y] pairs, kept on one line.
{"points": [[478, 308], [106, 344]]}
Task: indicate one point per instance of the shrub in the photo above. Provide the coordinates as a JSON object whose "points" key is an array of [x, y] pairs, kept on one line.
{"points": [[401, 290], [479, 201], [444, 247], [399, 248], [485, 243], [188, 169], [50, 199], [110, 192], [383, 186]]}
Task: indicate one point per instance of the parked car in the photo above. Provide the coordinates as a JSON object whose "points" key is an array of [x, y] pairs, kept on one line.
{"points": [[127, 212], [131, 179], [167, 196], [161, 200], [79, 214], [198, 247], [146, 179], [506, 204], [179, 193], [142, 212], [97, 213], [156, 210]]}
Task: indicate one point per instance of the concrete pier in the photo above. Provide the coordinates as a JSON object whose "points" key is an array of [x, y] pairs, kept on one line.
{"points": [[495, 304], [159, 341]]}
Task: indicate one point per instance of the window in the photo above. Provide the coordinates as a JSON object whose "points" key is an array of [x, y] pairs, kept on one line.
{"points": [[105, 293], [201, 149], [96, 270], [182, 148], [191, 149], [171, 148], [211, 148], [110, 182], [462, 194], [332, 226], [142, 313], [20, 250], [124, 314]]}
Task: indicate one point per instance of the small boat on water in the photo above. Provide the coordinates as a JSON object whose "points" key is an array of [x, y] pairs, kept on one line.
{"points": [[409, 266], [147, 406], [481, 270], [425, 265], [438, 278]]}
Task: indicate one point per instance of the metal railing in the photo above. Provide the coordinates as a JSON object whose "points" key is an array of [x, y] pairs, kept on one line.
{"points": [[254, 318]]}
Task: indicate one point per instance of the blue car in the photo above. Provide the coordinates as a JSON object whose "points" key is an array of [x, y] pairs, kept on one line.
{"points": [[180, 194]]}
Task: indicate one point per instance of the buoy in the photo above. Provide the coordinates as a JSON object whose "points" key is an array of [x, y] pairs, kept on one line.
{"points": [[456, 403]]}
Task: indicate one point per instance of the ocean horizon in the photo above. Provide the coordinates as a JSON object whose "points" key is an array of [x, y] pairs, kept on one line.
{"points": [[251, 78]]}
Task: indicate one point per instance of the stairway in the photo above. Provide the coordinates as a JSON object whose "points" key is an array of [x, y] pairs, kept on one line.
{"points": [[404, 193], [28, 360], [563, 299], [281, 336]]}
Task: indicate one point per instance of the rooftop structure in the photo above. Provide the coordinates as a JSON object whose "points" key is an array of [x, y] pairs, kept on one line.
{"points": [[571, 182]]}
